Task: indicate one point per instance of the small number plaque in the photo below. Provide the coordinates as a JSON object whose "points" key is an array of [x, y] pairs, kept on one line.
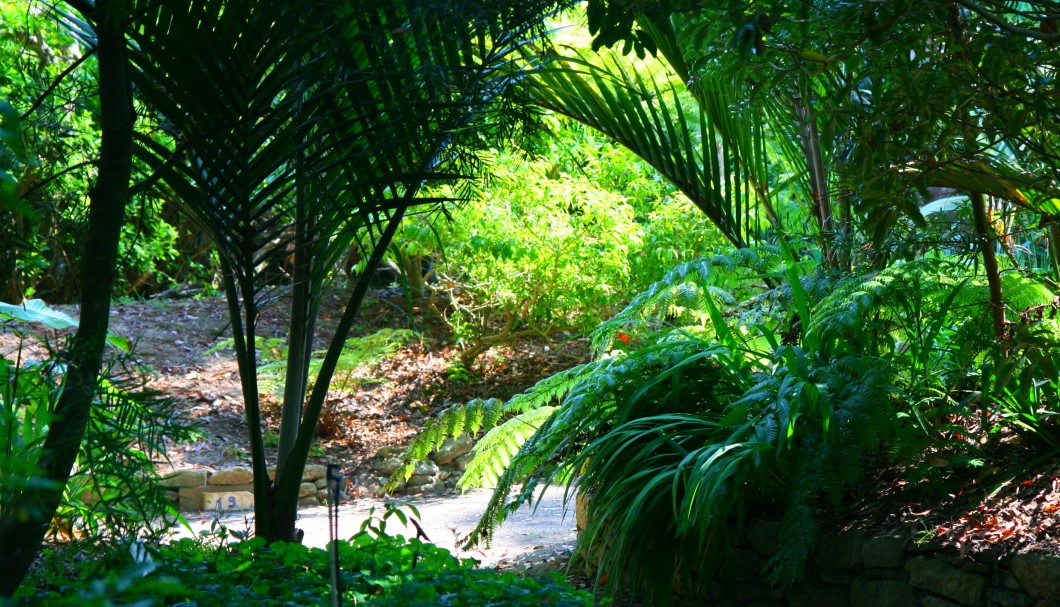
{"points": [[228, 501]]}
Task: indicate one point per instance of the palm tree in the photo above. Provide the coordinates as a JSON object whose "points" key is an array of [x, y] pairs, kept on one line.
{"points": [[286, 128]]}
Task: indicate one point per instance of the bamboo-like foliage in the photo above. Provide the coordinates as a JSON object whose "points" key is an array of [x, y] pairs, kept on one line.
{"points": [[287, 128]]}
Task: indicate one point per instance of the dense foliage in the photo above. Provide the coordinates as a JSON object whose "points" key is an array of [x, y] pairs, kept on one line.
{"points": [[556, 243], [107, 496], [873, 229], [704, 410], [47, 155]]}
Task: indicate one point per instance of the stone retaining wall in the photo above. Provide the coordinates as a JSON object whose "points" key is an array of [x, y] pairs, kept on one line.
{"points": [[187, 488], [440, 471], [234, 486], [854, 569]]}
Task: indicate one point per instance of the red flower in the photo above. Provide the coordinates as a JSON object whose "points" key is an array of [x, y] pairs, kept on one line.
{"points": [[622, 337]]}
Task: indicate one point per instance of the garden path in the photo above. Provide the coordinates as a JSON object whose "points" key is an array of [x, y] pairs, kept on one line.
{"points": [[537, 536]]}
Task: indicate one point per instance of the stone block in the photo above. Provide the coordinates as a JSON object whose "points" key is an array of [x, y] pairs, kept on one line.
{"points": [[941, 578], [865, 592], [883, 552], [309, 500], [461, 462], [1004, 597], [190, 498], [389, 451], [1038, 574], [818, 595], [931, 600], [184, 478], [840, 550], [418, 480], [747, 565], [307, 489], [749, 592], [453, 448], [426, 467], [764, 537], [1008, 580], [227, 501], [428, 488], [313, 472], [237, 475], [389, 466], [321, 483]]}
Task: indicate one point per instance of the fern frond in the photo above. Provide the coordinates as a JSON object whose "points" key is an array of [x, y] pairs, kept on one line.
{"points": [[468, 418], [680, 294], [493, 454], [478, 415]]}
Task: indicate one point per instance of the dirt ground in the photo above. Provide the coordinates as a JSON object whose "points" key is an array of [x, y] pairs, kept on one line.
{"points": [[384, 404]]}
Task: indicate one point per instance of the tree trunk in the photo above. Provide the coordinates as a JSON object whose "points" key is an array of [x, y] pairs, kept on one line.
{"points": [[21, 540], [283, 510], [986, 237], [1052, 233]]}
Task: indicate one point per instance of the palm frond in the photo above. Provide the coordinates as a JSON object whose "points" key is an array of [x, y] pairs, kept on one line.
{"points": [[650, 118]]}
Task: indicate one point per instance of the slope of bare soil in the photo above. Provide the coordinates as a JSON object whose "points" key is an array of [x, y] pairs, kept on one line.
{"points": [[384, 404]]}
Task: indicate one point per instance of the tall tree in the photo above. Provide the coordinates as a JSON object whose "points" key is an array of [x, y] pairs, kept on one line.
{"points": [[21, 539]]}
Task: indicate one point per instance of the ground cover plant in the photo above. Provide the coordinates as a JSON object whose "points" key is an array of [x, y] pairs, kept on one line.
{"points": [[217, 570]]}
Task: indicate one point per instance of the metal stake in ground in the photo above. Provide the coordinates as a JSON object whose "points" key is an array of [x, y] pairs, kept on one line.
{"points": [[334, 492]]}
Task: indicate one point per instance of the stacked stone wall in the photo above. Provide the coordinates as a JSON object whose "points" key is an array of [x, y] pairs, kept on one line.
{"points": [[857, 569], [200, 489]]}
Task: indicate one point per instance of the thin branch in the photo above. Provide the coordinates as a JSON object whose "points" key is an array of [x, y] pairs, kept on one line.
{"points": [[1005, 25], [55, 83], [52, 178]]}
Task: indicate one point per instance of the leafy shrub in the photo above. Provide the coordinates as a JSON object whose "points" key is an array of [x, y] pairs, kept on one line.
{"points": [[704, 408], [551, 244], [538, 254]]}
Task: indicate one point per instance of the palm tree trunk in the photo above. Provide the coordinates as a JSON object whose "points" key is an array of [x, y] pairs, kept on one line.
{"points": [[818, 176], [284, 510], [1053, 235], [20, 539]]}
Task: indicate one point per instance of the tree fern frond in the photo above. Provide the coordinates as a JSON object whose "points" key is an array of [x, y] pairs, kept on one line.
{"points": [[468, 417], [681, 293], [493, 454], [478, 415]]}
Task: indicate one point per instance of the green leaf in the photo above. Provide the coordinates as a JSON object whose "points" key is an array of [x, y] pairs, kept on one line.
{"points": [[37, 311]]}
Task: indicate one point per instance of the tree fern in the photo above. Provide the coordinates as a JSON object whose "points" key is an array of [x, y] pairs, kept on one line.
{"points": [[673, 444]]}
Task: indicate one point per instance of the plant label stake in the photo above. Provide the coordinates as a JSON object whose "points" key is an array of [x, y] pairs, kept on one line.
{"points": [[334, 491]]}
